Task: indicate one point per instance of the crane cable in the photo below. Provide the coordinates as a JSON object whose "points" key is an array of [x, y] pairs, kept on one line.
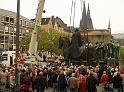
{"points": [[74, 13], [71, 13]]}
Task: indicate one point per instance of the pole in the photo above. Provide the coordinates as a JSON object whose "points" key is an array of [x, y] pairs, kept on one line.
{"points": [[17, 45]]}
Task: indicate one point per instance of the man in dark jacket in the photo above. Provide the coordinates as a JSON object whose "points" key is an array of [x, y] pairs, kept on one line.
{"points": [[55, 82], [62, 82], [40, 82], [117, 83], [91, 83]]}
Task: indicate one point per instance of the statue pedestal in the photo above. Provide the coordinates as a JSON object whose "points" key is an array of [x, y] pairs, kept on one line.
{"points": [[75, 62]]}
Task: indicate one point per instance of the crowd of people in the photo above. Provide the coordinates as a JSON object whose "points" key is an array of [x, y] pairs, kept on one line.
{"points": [[62, 78]]}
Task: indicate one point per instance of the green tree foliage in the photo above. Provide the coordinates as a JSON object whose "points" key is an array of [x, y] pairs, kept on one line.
{"points": [[47, 40], [25, 41], [122, 53]]}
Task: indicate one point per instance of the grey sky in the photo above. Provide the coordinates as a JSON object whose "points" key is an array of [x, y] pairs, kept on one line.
{"points": [[101, 11]]}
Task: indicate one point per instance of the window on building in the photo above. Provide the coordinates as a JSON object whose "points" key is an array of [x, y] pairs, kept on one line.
{"points": [[11, 38], [2, 27], [11, 29], [7, 19], [20, 31], [1, 37], [1, 46], [6, 37], [15, 29], [6, 46], [11, 20], [14, 40], [21, 22], [25, 23], [10, 47], [6, 28], [2, 18]]}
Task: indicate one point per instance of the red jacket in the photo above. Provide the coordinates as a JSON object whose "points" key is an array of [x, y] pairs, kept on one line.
{"points": [[104, 78], [25, 83]]}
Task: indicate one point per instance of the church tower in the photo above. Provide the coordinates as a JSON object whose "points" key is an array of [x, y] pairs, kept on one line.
{"points": [[109, 26], [83, 21], [89, 20]]}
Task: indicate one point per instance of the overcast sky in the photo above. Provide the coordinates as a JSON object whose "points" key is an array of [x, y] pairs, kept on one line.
{"points": [[101, 11]]}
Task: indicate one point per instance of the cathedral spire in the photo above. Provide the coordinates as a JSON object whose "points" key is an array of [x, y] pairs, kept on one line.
{"points": [[83, 22], [109, 26], [89, 20]]}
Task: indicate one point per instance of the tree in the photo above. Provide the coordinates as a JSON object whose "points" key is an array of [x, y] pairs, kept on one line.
{"points": [[122, 53], [47, 40], [25, 41]]}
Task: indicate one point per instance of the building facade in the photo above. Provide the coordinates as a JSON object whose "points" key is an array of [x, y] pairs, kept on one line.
{"points": [[119, 38], [89, 33], [8, 29], [54, 23], [97, 35]]}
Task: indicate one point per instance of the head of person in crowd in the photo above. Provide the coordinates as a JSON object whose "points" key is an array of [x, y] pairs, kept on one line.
{"points": [[118, 73], [91, 73], [41, 73], [62, 72], [73, 74], [104, 72]]}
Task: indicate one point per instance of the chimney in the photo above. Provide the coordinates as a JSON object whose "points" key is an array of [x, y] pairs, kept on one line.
{"points": [[52, 17]]}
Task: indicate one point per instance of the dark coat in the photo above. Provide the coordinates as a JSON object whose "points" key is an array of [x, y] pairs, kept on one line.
{"points": [[91, 83], [117, 82], [40, 82], [62, 81]]}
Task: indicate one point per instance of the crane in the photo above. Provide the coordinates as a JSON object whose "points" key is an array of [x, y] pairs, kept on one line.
{"points": [[33, 44]]}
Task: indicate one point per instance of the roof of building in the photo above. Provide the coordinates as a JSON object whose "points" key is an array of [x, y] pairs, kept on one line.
{"points": [[11, 14], [61, 23], [45, 21]]}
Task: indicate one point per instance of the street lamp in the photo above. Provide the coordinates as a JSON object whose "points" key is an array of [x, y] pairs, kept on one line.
{"points": [[16, 89]]}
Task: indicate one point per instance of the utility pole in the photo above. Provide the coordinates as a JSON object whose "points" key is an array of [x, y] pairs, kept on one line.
{"points": [[16, 89]]}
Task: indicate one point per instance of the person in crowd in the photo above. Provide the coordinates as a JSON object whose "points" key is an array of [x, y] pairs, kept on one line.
{"points": [[117, 83], [122, 75], [55, 82], [40, 82], [3, 77], [72, 83], [33, 75], [78, 77], [95, 74], [62, 82], [104, 78], [25, 82], [91, 83], [82, 86], [12, 79]]}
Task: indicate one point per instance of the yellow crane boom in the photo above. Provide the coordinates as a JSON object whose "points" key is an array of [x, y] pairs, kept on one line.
{"points": [[34, 43]]}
